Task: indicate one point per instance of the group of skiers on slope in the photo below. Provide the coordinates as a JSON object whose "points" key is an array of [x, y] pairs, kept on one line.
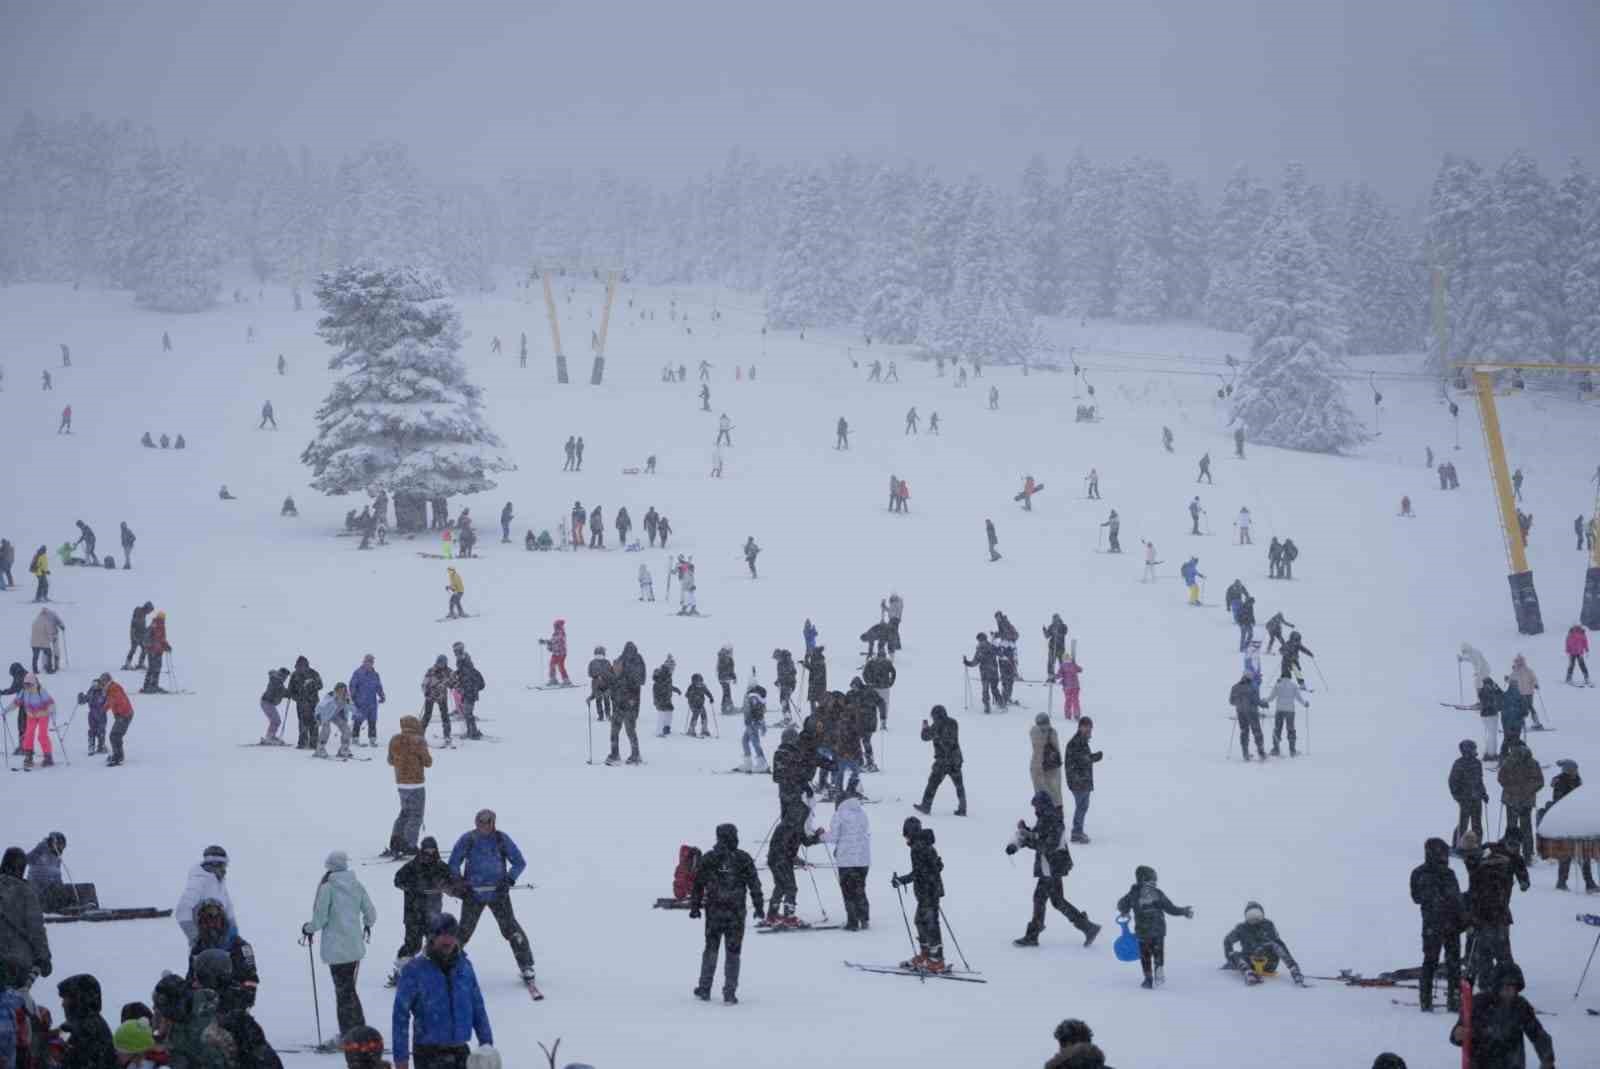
{"points": [[39, 563], [1513, 709], [1286, 696]]}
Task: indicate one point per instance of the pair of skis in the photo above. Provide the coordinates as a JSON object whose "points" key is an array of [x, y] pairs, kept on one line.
{"points": [[962, 975]]}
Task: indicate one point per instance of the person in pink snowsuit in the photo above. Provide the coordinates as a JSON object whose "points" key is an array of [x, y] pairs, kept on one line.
{"points": [[37, 707], [1577, 646], [1068, 675], [557, 644]]}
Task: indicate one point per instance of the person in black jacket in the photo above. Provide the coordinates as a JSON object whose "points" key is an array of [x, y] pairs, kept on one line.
{"points": [[1080, 761], [88, 1037], [1275, 625], [698, 695], [305, 686], [1466, 787], [1289, 655], [727, 676], [212, 970], [630, 677], [424, 880], [19, 672], [601, 678], [723, 876], [1245, 697], [1491, 872], [1150, 907], [816, 666], [469, 681], [1501, 1017], [788, 676], [879, 674], [945, 734], [136, 632], [985, 660], [1435, 890], [1055, 636], [661, 692], [866, 707], [1052, 860], [213, 931], [1564, 783], [1253, 946], [928, 886]]}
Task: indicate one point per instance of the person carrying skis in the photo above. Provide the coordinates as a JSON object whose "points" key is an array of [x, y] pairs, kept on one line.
{"points": [[751, 550], [726, 676], [928, 886], [1253, 948], [1245, 698], [1055, 637], [1577, 646], [488, 862], [1437, 893], [630, 677], [470, 682], [661, 692], [1467, 789], [1071, 688], [1275, 625], [1191, 573], [697, 696], [1205, 468], [994, 540], [1501, 1017], [787, 678], [1289, 657], [344, 915], [424, 880], [1113, 525], [366, 693], [455, 588], [945, 734], [721, 880], [1286, 693], [334, 712], [984, 658], [1195, 512], [1047, 838], [438, 990], [1149, 906], [1243, 524], [557, 645]]}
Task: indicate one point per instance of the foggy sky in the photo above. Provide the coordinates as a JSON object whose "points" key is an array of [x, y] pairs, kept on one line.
{"points": [[1372, 89]]}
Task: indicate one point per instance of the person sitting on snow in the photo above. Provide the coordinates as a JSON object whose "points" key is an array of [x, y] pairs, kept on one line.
{"points": [[1254, 948]]}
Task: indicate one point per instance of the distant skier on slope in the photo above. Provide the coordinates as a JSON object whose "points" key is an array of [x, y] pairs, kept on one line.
{"points": [[1113, 525]]}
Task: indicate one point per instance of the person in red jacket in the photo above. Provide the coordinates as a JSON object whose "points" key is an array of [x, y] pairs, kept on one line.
{"points": [[557, 644], [121, 710], [1577, 646], [155, 648]]}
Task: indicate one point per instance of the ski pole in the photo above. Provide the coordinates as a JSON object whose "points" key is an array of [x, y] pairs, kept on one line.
{"points": [[1227, 746], [1461, 687], [1320, 677], [816, 891], [1540, 695], [589, 726], [901, 896], [1586, 965], [316, 1003], [956, 942]]}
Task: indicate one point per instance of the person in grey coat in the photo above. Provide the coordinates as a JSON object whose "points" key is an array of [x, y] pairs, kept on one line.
{"points": [[1285, 694], [24, 947]]}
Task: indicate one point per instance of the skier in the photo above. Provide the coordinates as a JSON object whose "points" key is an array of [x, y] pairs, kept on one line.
{"points": [[879, 674], [439, 989], [1113, 524], [597, 529], [334, 712], [207, 880], [849, 836], [705, 398], [894, 610], [650, 521], [945, 734], [1245, 617], [933, 423], [1521, 780], [661, 692], [1577, 646], [1205, 468], [697, 696], [1195, 512], [1289, 656], [724, 426], [267, 417], [1243, 524], [985, 659], [912, 420], [1501, 1017], [423, 881], [724, 875], [863, 708], [630, 676], [1437, 893], [557, 645], [928, 885], [1045, 765], [1490, 700], [1094, 485], [506, 516], [894, 492], [1285, 694], [155, 648], [410, 758], [750, 552], [841, 434], [1527, 684], [787, 678], [305, 687], [1052, 861], [1275, 625], [686, 588], [1253, 947], [647, 586], [366, 693], [1247, 704], [455, 588], [1080, 761], [470, 683], [726, 676], [601, 678], [435, 694], [1071, 689], [1150, 907], [755, 726], [488, 863], [121, 709], [988, 527], [1150, 562], [1166, 438], [1491, 872], [1192, 575], [344, 914], [1467, 789]]}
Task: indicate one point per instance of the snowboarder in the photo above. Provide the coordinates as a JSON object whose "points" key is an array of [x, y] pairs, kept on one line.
{"points": [[1029, 488], [1577, 646], [1437, 893], [1191, 574], [724, 426], [423, 881], [438, 989], [1071, 689], [911, 420], [344, 914], [1150, 907], [945, 734], [1243, 524], [488, 864], [1195, 512], [724, 875], [1245, 697], [1286, 693], [1254, 948], [334, 712], [1113, 525], [1205, 469], [1079, 761], [928, 886], [994, 540], [557, 645], [410, 758], [751, 550], [1047, 838], [267, 417], [841, 434]]}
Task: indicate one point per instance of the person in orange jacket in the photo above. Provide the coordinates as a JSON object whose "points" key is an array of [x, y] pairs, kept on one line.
{"points": [[121, 710], [155, 648]]}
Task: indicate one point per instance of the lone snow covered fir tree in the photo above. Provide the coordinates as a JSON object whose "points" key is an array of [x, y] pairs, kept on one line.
{"points": [[403, 418]]}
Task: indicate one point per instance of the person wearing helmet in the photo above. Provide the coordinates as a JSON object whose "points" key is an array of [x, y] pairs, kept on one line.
{"points": [[488, 862], [44, 873], [156, 647], [1254, 948], [1466, 787], [928, 886], [207, 879], [423, 880], [1437, 893], [1047, 838], [557, 644], [1501, 1019], [601, 677], [697, 695], [725, 874], [215, 934], [1149, 906]]}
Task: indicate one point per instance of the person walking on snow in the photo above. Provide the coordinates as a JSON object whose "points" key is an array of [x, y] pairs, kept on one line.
{"points": [[267, 417], [1435, 890], [755, 725], [841, 434], [1577, 646], [455, 587], [751, 550], [557, 645], [1243, 524], [1205, 468], [488, 863], [366, 694], [945, 734], [724, 426], [647, 586], [1113, 524], [1047, 838], [1245, 697], [988, 527], [1150, 907], [1195, 512], [1071, 689], [1080, 761], [721, 880], [1044, 767], [344, 915], [1094, 485], [410, 757], [506, 516]]}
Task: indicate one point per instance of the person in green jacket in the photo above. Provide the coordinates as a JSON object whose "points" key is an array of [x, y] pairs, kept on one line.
{"points": [[344, 914]]}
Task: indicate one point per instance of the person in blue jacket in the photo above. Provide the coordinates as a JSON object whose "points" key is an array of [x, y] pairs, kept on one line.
{"points": [[437, 1004], [809, 633], [1191, 578], [366, 691], [488, 862]]}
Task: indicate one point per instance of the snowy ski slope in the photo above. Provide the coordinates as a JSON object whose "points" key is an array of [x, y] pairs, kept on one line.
{"points": [[1326, 841]]}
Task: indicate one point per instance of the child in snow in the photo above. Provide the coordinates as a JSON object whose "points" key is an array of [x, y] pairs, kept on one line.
{"points": [[698, 695], [1150, 907], [647, 585], [557, 644], [1068, 675], [449, 543], [1149, 563]]}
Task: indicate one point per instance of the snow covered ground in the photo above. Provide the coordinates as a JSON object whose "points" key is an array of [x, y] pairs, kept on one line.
{"points": [[1326, 841]]}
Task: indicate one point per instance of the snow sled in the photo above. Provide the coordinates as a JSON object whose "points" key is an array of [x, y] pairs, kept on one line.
{"points": [[1126, 946]]}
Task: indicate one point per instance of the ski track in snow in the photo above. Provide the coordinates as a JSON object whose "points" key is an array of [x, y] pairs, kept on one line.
{"points": [[1325, 842]]}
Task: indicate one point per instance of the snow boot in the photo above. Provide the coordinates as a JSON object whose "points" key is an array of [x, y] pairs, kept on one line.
{"points": [[729, 998], [925, 810], [761, 765], [1028, 939], [113, 762], [1080, 838], [1161, 975], [744, 766], [1148, 984], [1089, 933], [27, 760], [634, 759], [701, 993], [319, 752], [48, 761], [1275, 752], [613, 760]]}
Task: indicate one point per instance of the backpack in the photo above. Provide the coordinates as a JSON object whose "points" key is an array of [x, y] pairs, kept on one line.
{"points": [[1050, 760], [683, 875]]}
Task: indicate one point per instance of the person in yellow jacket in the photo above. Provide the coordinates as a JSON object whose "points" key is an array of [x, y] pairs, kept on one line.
{"points": [[40, 568], [456, 589]]}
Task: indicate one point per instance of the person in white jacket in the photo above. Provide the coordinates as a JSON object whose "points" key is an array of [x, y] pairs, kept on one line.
{"points": [[1243, 523], [344, 914], [850, 837], [1284, 696], [1480, 665], [208, 879]]}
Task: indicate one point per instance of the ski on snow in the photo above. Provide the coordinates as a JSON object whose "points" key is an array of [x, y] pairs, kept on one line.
{"points": [[921, 974], [774, 929], [126, 913]]}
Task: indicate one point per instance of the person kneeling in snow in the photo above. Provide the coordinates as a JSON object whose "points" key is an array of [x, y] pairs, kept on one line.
{"points": [[1254, 948]]}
